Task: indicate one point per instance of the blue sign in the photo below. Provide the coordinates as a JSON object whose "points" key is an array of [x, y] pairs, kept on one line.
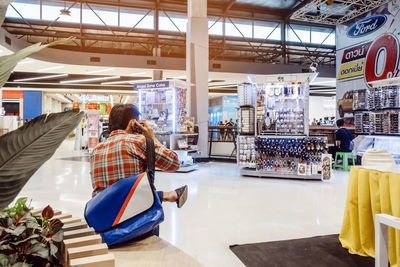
{"points": [[366, 26], [151, 85]]}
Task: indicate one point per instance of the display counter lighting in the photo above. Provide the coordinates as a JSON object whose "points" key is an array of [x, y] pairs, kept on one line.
{"points": [[64, 98], [126, 99], [91, 79], [99, 71], [50, 68], [41, 77]]}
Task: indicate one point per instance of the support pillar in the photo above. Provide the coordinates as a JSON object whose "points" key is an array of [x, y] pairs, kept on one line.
{"points": [[157, 75], [197, 68]]}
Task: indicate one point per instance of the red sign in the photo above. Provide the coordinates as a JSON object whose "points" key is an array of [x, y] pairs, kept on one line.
{"points": [[108, 108], [354, 53], [382, 59], [93, 106], [75, 106]]}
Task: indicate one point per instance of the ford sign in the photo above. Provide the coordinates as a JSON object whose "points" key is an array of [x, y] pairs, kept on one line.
{"points": [[366, 26]]}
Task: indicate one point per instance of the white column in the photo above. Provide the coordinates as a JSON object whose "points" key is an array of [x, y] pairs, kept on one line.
{"points": [[197, 68], [157, 75]]}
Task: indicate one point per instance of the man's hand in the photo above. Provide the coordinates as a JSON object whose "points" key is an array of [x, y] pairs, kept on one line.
{"points": [[146, 129], [131, 126]]}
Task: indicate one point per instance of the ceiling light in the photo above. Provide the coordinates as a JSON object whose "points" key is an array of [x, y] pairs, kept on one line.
{"points": [[41, 77], [64, 98], [25, 62], [68, 90], [91, 80], [50, 68], [138, 73], [99, 71], [122, 82]]}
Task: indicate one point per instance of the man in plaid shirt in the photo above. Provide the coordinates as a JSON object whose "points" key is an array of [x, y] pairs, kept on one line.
{"points": [[123, 154]]}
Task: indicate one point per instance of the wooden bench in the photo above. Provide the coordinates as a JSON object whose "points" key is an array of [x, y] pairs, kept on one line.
{"points": [[82, 247]]}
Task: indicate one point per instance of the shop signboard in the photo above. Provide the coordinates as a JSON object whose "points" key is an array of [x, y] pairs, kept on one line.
{"points": [[92, 106], [151, 85], [368, 49]]}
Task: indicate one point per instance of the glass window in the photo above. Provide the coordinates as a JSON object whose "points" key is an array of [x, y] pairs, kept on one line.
{"points": [[215, 26], [108, 14], [180, 20], [130, 17], [322, 36], [28, 9], [51, 11], [262, 30], [238, 28], [298, 33]]}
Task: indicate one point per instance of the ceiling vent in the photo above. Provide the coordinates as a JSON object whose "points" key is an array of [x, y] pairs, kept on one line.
{"points": [[94, 59]]}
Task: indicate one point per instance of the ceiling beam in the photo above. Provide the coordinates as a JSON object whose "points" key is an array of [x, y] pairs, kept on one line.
{"points": [[302, 4]]}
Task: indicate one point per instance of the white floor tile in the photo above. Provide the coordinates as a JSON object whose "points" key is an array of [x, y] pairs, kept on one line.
{"points": [[223, 208]]}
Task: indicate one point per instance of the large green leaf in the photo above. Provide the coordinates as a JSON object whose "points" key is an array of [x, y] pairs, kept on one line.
{"points": [[3, 8], [24, 150], [9, 62]]}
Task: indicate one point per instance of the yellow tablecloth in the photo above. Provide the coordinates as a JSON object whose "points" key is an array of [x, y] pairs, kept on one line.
{"points": [[370, 192]]}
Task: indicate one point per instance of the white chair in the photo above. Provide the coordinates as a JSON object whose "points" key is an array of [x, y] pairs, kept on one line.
{"points": [[382, 222]]}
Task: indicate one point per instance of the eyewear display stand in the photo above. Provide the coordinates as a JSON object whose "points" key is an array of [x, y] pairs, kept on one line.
{"points": [[278, 145]]}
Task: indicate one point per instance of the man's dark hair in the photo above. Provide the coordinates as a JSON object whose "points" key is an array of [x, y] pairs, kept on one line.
{"points": [[339, 123], [121, 115]]}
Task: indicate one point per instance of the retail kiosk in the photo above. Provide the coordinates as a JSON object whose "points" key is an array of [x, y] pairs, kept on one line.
{"points": [[163, 105], [273, 129]]}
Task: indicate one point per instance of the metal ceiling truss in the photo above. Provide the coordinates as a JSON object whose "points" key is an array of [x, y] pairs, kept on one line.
{"points": [[110, 39], [318, 11]]}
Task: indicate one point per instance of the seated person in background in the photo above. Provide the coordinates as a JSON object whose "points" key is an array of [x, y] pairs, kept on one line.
{"points": [[123, 154], [343, 138]]}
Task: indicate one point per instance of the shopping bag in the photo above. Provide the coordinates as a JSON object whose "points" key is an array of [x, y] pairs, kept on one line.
{"points": [[128, 208]]}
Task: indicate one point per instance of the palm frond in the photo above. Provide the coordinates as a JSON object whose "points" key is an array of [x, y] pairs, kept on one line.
{"points": [[3, 9], [24, 150]]}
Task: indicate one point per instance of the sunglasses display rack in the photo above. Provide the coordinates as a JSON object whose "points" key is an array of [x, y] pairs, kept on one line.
{"points": [[287, 155], [246, 151], [377, 110], [280, 146], [281, 108]]}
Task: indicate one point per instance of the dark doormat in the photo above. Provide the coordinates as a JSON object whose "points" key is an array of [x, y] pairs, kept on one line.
{"points": [[321, 251]]}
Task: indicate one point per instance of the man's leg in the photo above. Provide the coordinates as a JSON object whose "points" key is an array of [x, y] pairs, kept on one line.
{"points": [[179, 196]]}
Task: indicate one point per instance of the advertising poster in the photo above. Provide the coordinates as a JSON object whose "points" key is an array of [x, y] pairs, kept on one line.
{"points": [[93, 129], [368, 49]]}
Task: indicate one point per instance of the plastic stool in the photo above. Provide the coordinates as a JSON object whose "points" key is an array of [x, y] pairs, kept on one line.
{"points": [[345, 160]]}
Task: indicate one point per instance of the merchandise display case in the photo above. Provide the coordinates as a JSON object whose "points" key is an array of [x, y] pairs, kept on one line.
{"points": [[162, 104], [377, 109], [280, 146]]}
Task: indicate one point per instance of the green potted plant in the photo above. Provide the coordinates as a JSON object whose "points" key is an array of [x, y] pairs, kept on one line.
{"points": [[27, 239]]}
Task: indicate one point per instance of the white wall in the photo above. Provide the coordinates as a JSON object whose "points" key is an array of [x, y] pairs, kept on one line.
{"points": [[322, 106]]}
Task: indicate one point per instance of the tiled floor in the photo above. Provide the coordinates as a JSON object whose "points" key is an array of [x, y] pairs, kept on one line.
{"points": [[223, 208]]}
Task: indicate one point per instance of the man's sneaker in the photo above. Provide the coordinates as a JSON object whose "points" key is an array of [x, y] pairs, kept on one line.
{"points": [[182, 193]]}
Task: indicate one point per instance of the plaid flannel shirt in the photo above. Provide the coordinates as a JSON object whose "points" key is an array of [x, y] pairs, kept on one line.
{"points": [[123, 155]]}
